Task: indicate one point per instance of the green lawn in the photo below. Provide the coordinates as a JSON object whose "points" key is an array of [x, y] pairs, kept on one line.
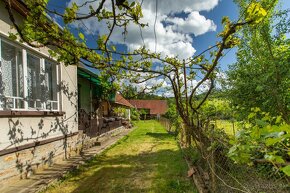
{"points": [[147, 160], [227, 126]]}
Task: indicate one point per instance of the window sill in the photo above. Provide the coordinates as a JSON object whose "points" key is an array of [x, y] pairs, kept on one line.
{"points": [[14, 113]]}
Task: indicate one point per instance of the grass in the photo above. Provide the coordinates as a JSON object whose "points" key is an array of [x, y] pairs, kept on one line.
{"points": [[147, 160], [227, 126]]}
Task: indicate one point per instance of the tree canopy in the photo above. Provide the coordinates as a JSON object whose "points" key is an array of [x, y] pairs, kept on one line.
{"points": [[137, 66], [260, 77]]}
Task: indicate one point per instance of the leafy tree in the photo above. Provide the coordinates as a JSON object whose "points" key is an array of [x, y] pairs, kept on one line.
{"points": [[131, 92], [260, 77], [217, 109], [259, 88], [38, 31]]}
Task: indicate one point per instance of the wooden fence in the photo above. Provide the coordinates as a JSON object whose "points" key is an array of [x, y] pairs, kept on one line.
{"points": [[166, 123]]}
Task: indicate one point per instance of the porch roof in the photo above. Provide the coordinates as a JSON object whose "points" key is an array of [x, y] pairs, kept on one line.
{"points": [[94, 79], [90, 76]]}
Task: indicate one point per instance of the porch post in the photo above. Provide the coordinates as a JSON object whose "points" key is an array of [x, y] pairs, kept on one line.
{"points": [[129, 114]]}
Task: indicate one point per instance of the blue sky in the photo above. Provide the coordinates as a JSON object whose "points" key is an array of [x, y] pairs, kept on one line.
{"points": [[194, 26], [224, 8]]}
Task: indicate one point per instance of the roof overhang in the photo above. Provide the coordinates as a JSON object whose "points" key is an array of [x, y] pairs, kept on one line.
{"points": [[90, 76]]}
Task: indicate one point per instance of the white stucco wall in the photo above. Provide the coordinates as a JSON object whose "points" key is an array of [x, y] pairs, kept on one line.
{"points": [[22, 130]]}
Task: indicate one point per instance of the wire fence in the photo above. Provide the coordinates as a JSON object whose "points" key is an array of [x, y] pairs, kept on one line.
{"points": [[222, 175]]}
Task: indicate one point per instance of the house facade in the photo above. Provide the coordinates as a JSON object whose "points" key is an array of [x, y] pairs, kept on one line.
{"points": [[38, 106]]}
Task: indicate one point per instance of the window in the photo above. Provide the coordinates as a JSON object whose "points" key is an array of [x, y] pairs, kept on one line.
{"points": [[50, 82], [37, 91], [34, 82], [11, 77]]}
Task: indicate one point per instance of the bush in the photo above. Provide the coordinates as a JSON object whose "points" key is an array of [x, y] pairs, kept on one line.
{"points": [[135, 115], [263, 140]]}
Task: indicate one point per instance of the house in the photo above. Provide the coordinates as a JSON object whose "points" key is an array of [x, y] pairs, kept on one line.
{"points": [[41, 103], [38, 105], [123, 104], [97, 114], [122, 108], [150, 108]]}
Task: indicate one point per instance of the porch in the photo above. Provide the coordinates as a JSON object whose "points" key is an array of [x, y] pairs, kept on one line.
{"points": [[95, 114], [94, 126]]}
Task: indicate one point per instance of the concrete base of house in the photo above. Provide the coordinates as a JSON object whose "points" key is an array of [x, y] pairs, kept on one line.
{"points": [[24, 163]]}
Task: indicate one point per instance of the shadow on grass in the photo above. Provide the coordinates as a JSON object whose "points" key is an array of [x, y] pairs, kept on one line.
{"points": [[160, 136], [161, 171]]}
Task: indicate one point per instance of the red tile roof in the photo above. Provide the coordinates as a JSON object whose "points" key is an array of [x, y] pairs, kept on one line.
{"points": [[155, 106], [122, 101]]}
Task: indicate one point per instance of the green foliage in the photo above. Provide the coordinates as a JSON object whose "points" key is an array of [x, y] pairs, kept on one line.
{"points": [[171, 112], [173, 116], [82, 36], [217, 109], [255, 12], [263, 138], [131, 92], [120, 111], [70, 13], [135, 115], [232, 40], [260, 77], [12, 36], [228, 126], [286, 170], [114, 65]]}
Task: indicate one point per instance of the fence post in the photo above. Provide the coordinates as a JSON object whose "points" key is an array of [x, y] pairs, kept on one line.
{"points": [[234, 131], [212, 171]]}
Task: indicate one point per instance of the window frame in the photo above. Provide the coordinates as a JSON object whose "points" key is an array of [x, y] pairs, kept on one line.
{"points": [[17, 48], [41, 73], [25, 50], [57, 68]]}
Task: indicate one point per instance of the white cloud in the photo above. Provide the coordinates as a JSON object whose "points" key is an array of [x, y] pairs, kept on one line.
{"points": [[173, 6], [194, 23], [176, 23], [173, 40], [220, 77], [165, 88]]}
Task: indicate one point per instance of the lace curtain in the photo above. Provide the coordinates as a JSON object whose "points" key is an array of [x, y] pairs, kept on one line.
{"points": [[41, 82], [11, 71], [34, 81]]}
